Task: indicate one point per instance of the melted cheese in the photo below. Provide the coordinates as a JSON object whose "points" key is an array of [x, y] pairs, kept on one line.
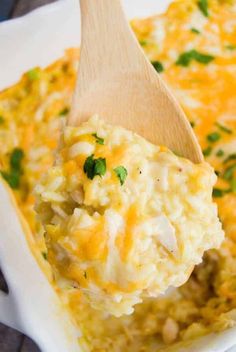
{"points": [[128, 231], [207, 94]]}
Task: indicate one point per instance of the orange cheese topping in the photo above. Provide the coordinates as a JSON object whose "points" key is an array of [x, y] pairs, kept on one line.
{"points": [[212, 91]]}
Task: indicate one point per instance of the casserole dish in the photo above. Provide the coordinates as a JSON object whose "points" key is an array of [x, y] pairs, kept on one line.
{"points": [[37, 40]]}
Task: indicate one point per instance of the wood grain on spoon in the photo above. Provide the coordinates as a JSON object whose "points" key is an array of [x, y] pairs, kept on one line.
{"points": [[116, 81]]}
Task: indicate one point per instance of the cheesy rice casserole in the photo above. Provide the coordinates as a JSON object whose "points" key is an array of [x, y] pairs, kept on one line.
{"points": [[193, 47], [124, 219]]}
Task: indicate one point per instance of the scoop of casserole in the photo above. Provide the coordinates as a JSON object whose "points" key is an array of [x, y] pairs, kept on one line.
{"points": [[124, 219]]}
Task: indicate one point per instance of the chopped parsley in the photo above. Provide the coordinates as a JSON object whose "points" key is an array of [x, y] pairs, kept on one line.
{"points": [[207, 151], [233, 185], [192, 123], [33, 74], [220, 153], [195, 30], [45, 255], [203, 7], [230, 157], [89, 167], [121, 173], [223, 128], [193, 55], [12, 178], [229, 172], [16, 158], [94, 167], [85, 274], [100, 166], [64, 111], [1, 120], [217, 192], [143, 42], [99, 140], [158, 66], [13, 175], [213, 137]]}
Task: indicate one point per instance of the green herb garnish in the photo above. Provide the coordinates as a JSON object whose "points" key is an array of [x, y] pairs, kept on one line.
{"points": [[94, 167], [13, 175], [207, 151], [1, 120], [85, 274], [213, 137], [99, 140], [229, 172], [158, 66], [184, 59], [192, 123], [220, 153], [100, 166], [143, 42], [64, 111], [45, 255], [233, 185], [217, 192], [121, 173], [16, 158], [89, 167], [203, 7], [33, 74], [195, 30], [191, 55], [12, 178], [224, 128], [230, 157]]}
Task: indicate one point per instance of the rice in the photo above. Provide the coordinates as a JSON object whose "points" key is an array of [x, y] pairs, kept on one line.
{"points": [[132, 230]]}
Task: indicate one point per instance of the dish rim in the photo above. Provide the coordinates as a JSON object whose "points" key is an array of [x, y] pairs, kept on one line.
{"points": [[12, 31]]}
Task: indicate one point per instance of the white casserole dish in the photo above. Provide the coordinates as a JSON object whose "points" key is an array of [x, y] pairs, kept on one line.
{"points": [[32, 306]]}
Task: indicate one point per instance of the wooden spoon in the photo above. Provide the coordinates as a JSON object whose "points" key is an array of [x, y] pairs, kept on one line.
{"points": [[117, 82]]}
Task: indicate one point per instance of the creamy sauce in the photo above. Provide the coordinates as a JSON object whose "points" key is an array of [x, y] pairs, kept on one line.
{"points": [[207, 93]]}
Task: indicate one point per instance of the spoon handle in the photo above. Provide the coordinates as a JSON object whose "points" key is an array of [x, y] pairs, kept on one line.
{"points": [[108, 45], [117, 81]]}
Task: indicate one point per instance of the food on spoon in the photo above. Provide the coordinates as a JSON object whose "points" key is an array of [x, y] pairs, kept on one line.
{"points": [[30, 115], [124, 219]]}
